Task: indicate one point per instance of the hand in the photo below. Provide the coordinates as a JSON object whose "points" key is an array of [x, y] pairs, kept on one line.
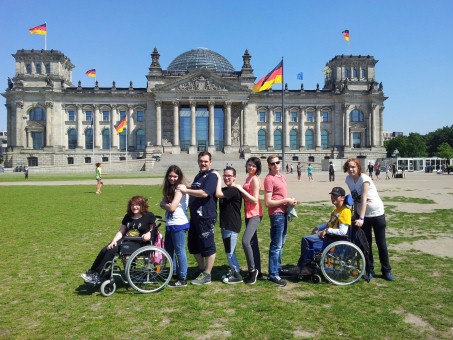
{"points": [[146, 237], [359, 223], [111, 245], [291, 201], [323, 233], [314, 231], [182, 188]]}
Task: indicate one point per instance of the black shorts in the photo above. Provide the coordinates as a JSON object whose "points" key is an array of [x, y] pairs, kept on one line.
{"points": [[201, 237]]}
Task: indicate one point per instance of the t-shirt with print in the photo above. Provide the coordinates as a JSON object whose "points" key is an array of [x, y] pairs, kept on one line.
{"points": [[139, 226]]}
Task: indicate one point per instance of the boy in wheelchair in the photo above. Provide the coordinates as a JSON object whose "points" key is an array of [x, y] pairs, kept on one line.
{"points": [[335, 229], [138, 222]]}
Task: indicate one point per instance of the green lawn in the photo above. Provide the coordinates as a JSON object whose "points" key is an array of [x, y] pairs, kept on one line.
{"points": [[49, 235]]}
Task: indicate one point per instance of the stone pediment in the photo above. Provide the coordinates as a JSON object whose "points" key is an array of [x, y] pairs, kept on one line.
{"points": [[201, 81]]}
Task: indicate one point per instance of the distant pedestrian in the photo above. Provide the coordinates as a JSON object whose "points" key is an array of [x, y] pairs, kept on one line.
{"points": [[287, 168], [99, 178], [310, 172], [387, 171], [370, 170], [331, 172], [377, 170], [26, 172], [291, 168], [299, 171]]}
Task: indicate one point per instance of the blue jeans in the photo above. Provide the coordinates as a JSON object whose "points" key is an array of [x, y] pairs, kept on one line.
{"points": [[230, 238], [175, 245], [279, 225]]}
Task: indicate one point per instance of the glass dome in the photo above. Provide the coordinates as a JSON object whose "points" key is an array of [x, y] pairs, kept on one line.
{"points": [[200, 58]]}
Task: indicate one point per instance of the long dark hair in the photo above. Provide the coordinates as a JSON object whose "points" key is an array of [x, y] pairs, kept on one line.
{"points": [[257, 162], [168, 189]]}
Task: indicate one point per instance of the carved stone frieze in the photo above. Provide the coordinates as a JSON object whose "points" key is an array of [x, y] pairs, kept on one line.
{"points": [[200, 83]]}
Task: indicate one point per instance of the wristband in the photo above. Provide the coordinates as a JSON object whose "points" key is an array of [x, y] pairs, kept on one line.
{"points": [[361, 218]]}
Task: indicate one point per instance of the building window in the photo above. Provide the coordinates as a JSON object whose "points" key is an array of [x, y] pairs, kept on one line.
{"points": [[202, 127], [219, 119], [184, 128], [32, 161], [356, 116], [28, 68], [262, 139], [325, 117], [89, 139], [278, 117], [71, 116], [123, 140], [278, 139], [309, 139], [105, 159], [38, 141], [355, 74], [311, 159], [47, 68], [309, 117], [140, 117], [106, 139], [293, 140], [122, 115], [363, 73], [37, 114], [38, 68], [106, 116], [87, 160], [72, 138], [70, 160], [324, 139], [262, 117], [88, 116], [356, 137], [140, 143], [346, 73], [294, 117]]}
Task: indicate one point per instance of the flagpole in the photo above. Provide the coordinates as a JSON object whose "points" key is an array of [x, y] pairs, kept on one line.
{"points": [[45, 38], [283, 117], [110, 150], [127, 132], [92, 135]]}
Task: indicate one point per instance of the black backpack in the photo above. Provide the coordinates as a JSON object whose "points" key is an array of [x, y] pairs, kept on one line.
{"points": [[359, 239]]}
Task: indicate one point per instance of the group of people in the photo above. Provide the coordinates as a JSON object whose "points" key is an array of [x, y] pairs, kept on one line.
{"points": [[200, 200]]}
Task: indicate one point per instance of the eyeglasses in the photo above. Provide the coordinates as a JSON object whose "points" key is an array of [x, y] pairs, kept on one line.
{"points": [[273, 163]]}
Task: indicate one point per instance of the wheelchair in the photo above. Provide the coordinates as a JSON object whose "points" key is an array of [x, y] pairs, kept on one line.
{"points": [[340, 262], [148, 269]]}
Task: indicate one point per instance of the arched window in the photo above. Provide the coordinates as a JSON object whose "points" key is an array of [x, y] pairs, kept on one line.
{"points": [[363, 73], [356, 116], [106, 139], [262, 139], [123, 140], [140, 142], [72, 138], [324, 139], [309, 139], [293, 140], [89, 139], [278, 139], [38, 68], [355, 73], [346, 73], [37, 114]]}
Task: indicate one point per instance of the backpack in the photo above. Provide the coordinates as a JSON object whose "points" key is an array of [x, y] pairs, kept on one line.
{"points": [[158, 241], [359, 239], [331, 168]]}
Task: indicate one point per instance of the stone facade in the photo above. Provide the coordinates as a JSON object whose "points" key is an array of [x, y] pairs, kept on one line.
{"points": [[52, 122]]}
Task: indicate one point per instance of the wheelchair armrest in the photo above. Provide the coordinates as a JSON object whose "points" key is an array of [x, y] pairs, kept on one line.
{"points": [[132, 238]]}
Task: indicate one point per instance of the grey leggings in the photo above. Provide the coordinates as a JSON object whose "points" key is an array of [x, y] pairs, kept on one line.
{"points": [[250, 243]]}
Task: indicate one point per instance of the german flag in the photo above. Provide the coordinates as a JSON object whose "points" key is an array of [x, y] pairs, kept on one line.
{"points": [[41, 29], [273, 77], [120, 127], [346, 35], [91, 73]]}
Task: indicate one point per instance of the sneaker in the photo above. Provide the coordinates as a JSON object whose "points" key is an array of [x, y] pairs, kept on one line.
{"points": [[277, 280], [178, 283], [251, 279], [230, 273], [197, 273], [284, 273], [307, 271], [202, 279], [90, 277], [235, 277], [388, 276], [368, 277]]}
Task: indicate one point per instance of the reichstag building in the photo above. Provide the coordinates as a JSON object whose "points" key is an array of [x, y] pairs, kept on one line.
{"points": [[199, 102]]}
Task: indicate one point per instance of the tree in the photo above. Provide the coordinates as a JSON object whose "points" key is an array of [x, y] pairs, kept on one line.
{"points": [[445, 151], [416, 145], [438, 137]]}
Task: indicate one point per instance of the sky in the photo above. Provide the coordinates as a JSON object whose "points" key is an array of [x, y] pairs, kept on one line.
{"points": [[411, 39]]}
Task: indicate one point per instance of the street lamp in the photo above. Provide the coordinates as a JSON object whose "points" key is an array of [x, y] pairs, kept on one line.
{"points": [[396, 153]]}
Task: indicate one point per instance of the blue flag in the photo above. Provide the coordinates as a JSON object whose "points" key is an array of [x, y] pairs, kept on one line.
{"points": [[300, 76]]}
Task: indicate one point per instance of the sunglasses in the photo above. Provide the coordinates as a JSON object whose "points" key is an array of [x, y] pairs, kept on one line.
{"points": [[278, 162]]}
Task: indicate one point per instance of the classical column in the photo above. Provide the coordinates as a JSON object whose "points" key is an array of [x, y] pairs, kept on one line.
{"points": [[381, 125], [158, 122], [96, 129], [270, 127], [286, 129], [369, 140], [79, 126], [374, 129], [113, 134], [49, 125], [193, 127], [244, 125], [130, 127], [302, 127], [318, 127], [211, 123], [346, 126], [175, 123], [227, 126]]}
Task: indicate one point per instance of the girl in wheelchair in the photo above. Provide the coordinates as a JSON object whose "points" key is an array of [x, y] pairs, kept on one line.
{"points": [[138, 221], [335, 229]]}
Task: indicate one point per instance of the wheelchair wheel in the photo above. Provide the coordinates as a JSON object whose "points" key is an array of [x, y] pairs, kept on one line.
{"points": [[316, 278], [108, 287], [342, 263], [149, 269]]}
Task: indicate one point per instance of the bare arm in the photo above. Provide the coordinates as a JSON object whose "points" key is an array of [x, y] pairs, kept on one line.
{"points": [[218, 190], [176, 200], [270, 203], [365, 187], [118, 236]]}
